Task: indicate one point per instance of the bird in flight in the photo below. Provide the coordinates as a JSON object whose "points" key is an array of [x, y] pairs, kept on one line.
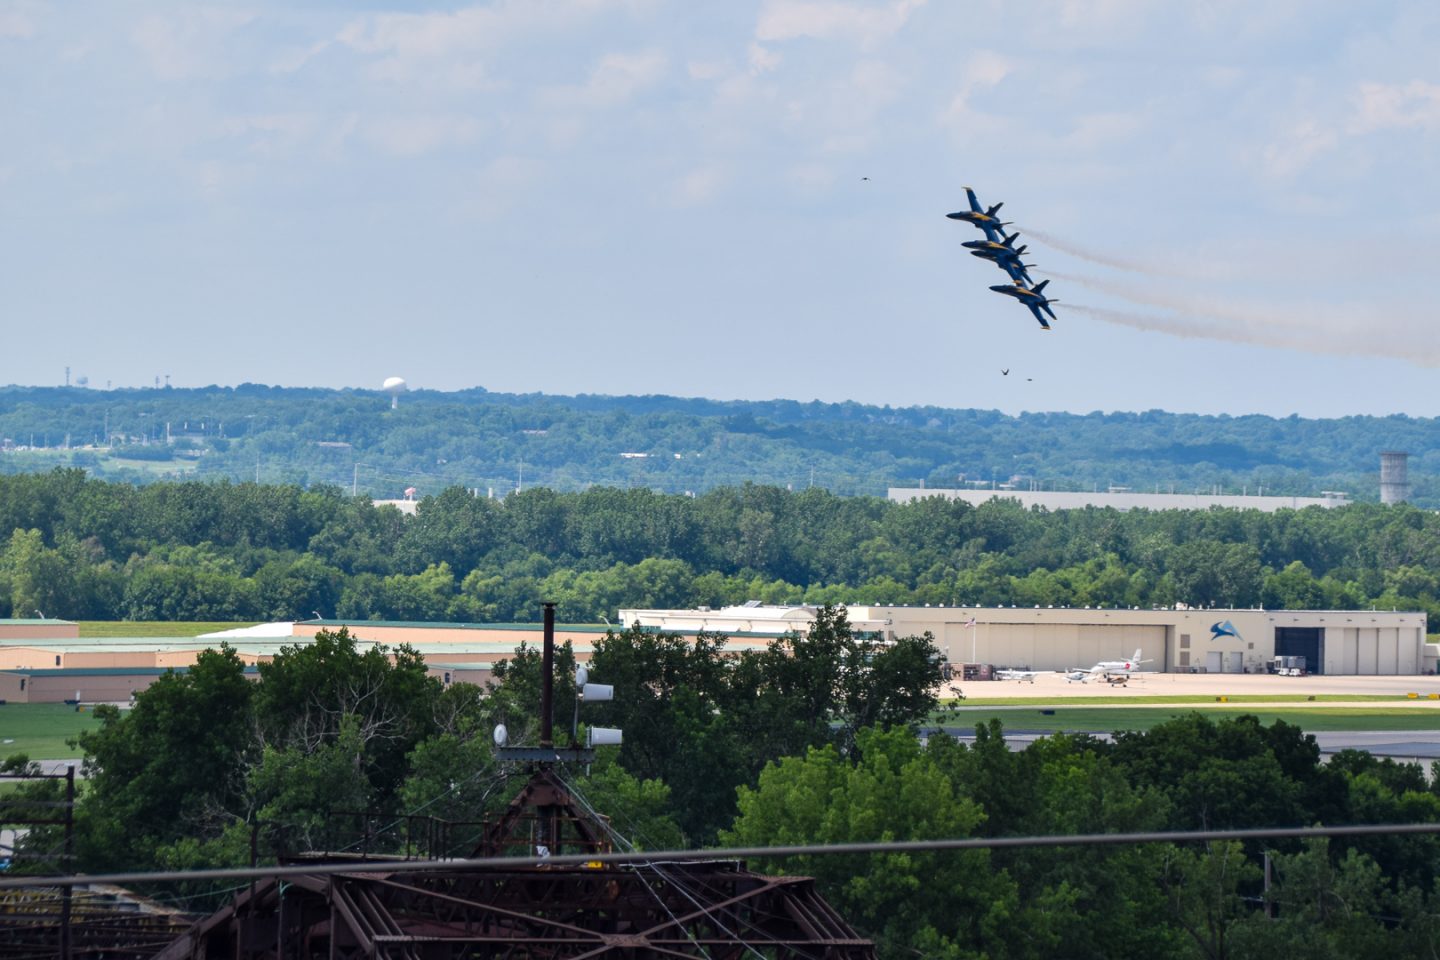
{"points": [[1004, 372], [864, 178]]}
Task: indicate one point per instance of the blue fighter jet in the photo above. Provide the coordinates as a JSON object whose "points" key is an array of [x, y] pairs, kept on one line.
{"points": [[1003, 255], [1032, 297], [982, 218]]}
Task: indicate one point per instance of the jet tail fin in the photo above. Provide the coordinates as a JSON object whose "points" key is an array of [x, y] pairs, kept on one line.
{"points": [[1040, 286], [1010, 240]]}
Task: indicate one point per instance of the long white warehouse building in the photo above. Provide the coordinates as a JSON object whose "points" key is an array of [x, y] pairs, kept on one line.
{"points": [[1174, 640]]}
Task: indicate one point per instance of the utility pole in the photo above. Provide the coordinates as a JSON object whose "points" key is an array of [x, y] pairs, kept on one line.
{"points": [[65, 944]]}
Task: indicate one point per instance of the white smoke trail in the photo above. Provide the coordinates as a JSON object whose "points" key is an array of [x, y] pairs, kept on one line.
{"points": [[1105, 260], [1333, 329], [1190, 267], [1330, 326]]}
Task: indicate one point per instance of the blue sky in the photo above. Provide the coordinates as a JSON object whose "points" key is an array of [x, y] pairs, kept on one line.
{"points": [[1236, 202]]}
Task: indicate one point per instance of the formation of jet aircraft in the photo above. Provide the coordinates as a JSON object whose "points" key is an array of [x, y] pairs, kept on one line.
{"points": [[1001, 251]]}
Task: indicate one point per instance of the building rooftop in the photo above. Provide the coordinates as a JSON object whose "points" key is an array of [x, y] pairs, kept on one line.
{"points": [[1121, 499], [102, 671], [439, 625]]}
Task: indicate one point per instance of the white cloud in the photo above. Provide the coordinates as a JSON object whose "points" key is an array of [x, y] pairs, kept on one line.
{"points": [[17, 23], [762, 59], [1301, 143], [705, 69], [697, 187], [187, 44], [1222, 77], [985, 69], [1102, 130], [833, 19], [412, 135], [1375, 108], [436, 46], [291, 60], [615, 80], [812, 178], [271, 134], [500, 185], [1408, 106]]}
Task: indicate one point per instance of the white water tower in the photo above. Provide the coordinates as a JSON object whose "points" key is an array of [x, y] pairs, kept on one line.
{"points": [[394, 386], [1394, 484]]}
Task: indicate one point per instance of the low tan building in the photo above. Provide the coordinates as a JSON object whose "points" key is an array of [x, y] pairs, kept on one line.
{"points": [[79, 685], [486, 641], [38, 629]]}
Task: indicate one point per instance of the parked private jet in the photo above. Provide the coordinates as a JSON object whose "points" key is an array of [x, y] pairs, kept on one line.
{"points": [[1111, 671]]}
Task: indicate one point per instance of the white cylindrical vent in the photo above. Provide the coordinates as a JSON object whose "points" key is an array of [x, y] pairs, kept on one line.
{"points": [[597, 692], [602, 737]]}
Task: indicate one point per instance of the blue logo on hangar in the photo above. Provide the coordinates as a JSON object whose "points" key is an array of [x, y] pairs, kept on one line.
{"points": [[1224, 629]]}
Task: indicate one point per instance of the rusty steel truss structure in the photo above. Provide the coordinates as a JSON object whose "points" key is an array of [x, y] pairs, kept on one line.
{"points": [[716, 910]]}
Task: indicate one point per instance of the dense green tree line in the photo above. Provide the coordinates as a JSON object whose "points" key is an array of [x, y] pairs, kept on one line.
{"points": [[82, 548], [817, 743], [1353, 899], [478, 439]]}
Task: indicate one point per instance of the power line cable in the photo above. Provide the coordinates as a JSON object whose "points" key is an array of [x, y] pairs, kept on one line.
{"points": [[735, 853]]}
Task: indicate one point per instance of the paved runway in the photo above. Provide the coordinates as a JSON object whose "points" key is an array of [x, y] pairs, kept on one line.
{"points": [[1234, 685], [1053, 690]]}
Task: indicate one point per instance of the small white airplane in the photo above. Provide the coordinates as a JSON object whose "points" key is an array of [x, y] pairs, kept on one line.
{"points": [[1111, 671], [1027, 675]]}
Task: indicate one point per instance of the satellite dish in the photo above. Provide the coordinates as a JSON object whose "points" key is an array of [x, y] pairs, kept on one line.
{"points": [[394, 386], [501, 735]]}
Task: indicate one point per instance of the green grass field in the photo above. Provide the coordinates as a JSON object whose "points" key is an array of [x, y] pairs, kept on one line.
{"points": [[153, 628], [39, 730], [1109, 719]]}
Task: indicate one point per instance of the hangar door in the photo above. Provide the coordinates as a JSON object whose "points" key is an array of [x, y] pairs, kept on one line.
{"points": [[1103, 642], [1302, 642], [1083, 645], [1061, 646]]}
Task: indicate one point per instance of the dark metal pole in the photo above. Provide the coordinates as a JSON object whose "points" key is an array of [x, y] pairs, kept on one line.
{"points": [[547, 679], [69, 861]]}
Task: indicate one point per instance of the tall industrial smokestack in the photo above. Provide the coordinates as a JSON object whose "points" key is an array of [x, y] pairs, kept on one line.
{"points": [[1394, 488]]}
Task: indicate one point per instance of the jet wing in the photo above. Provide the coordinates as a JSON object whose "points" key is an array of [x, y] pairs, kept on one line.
{"points": [[975, 205], [1038, 315], [1017, 271]]}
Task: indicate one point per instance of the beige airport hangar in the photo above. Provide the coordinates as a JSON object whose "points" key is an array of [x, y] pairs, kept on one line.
{"points": [[1363, 642]]}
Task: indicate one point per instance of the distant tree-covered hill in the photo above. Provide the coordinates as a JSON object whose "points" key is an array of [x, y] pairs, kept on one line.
{"points": [[498, 442]]}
